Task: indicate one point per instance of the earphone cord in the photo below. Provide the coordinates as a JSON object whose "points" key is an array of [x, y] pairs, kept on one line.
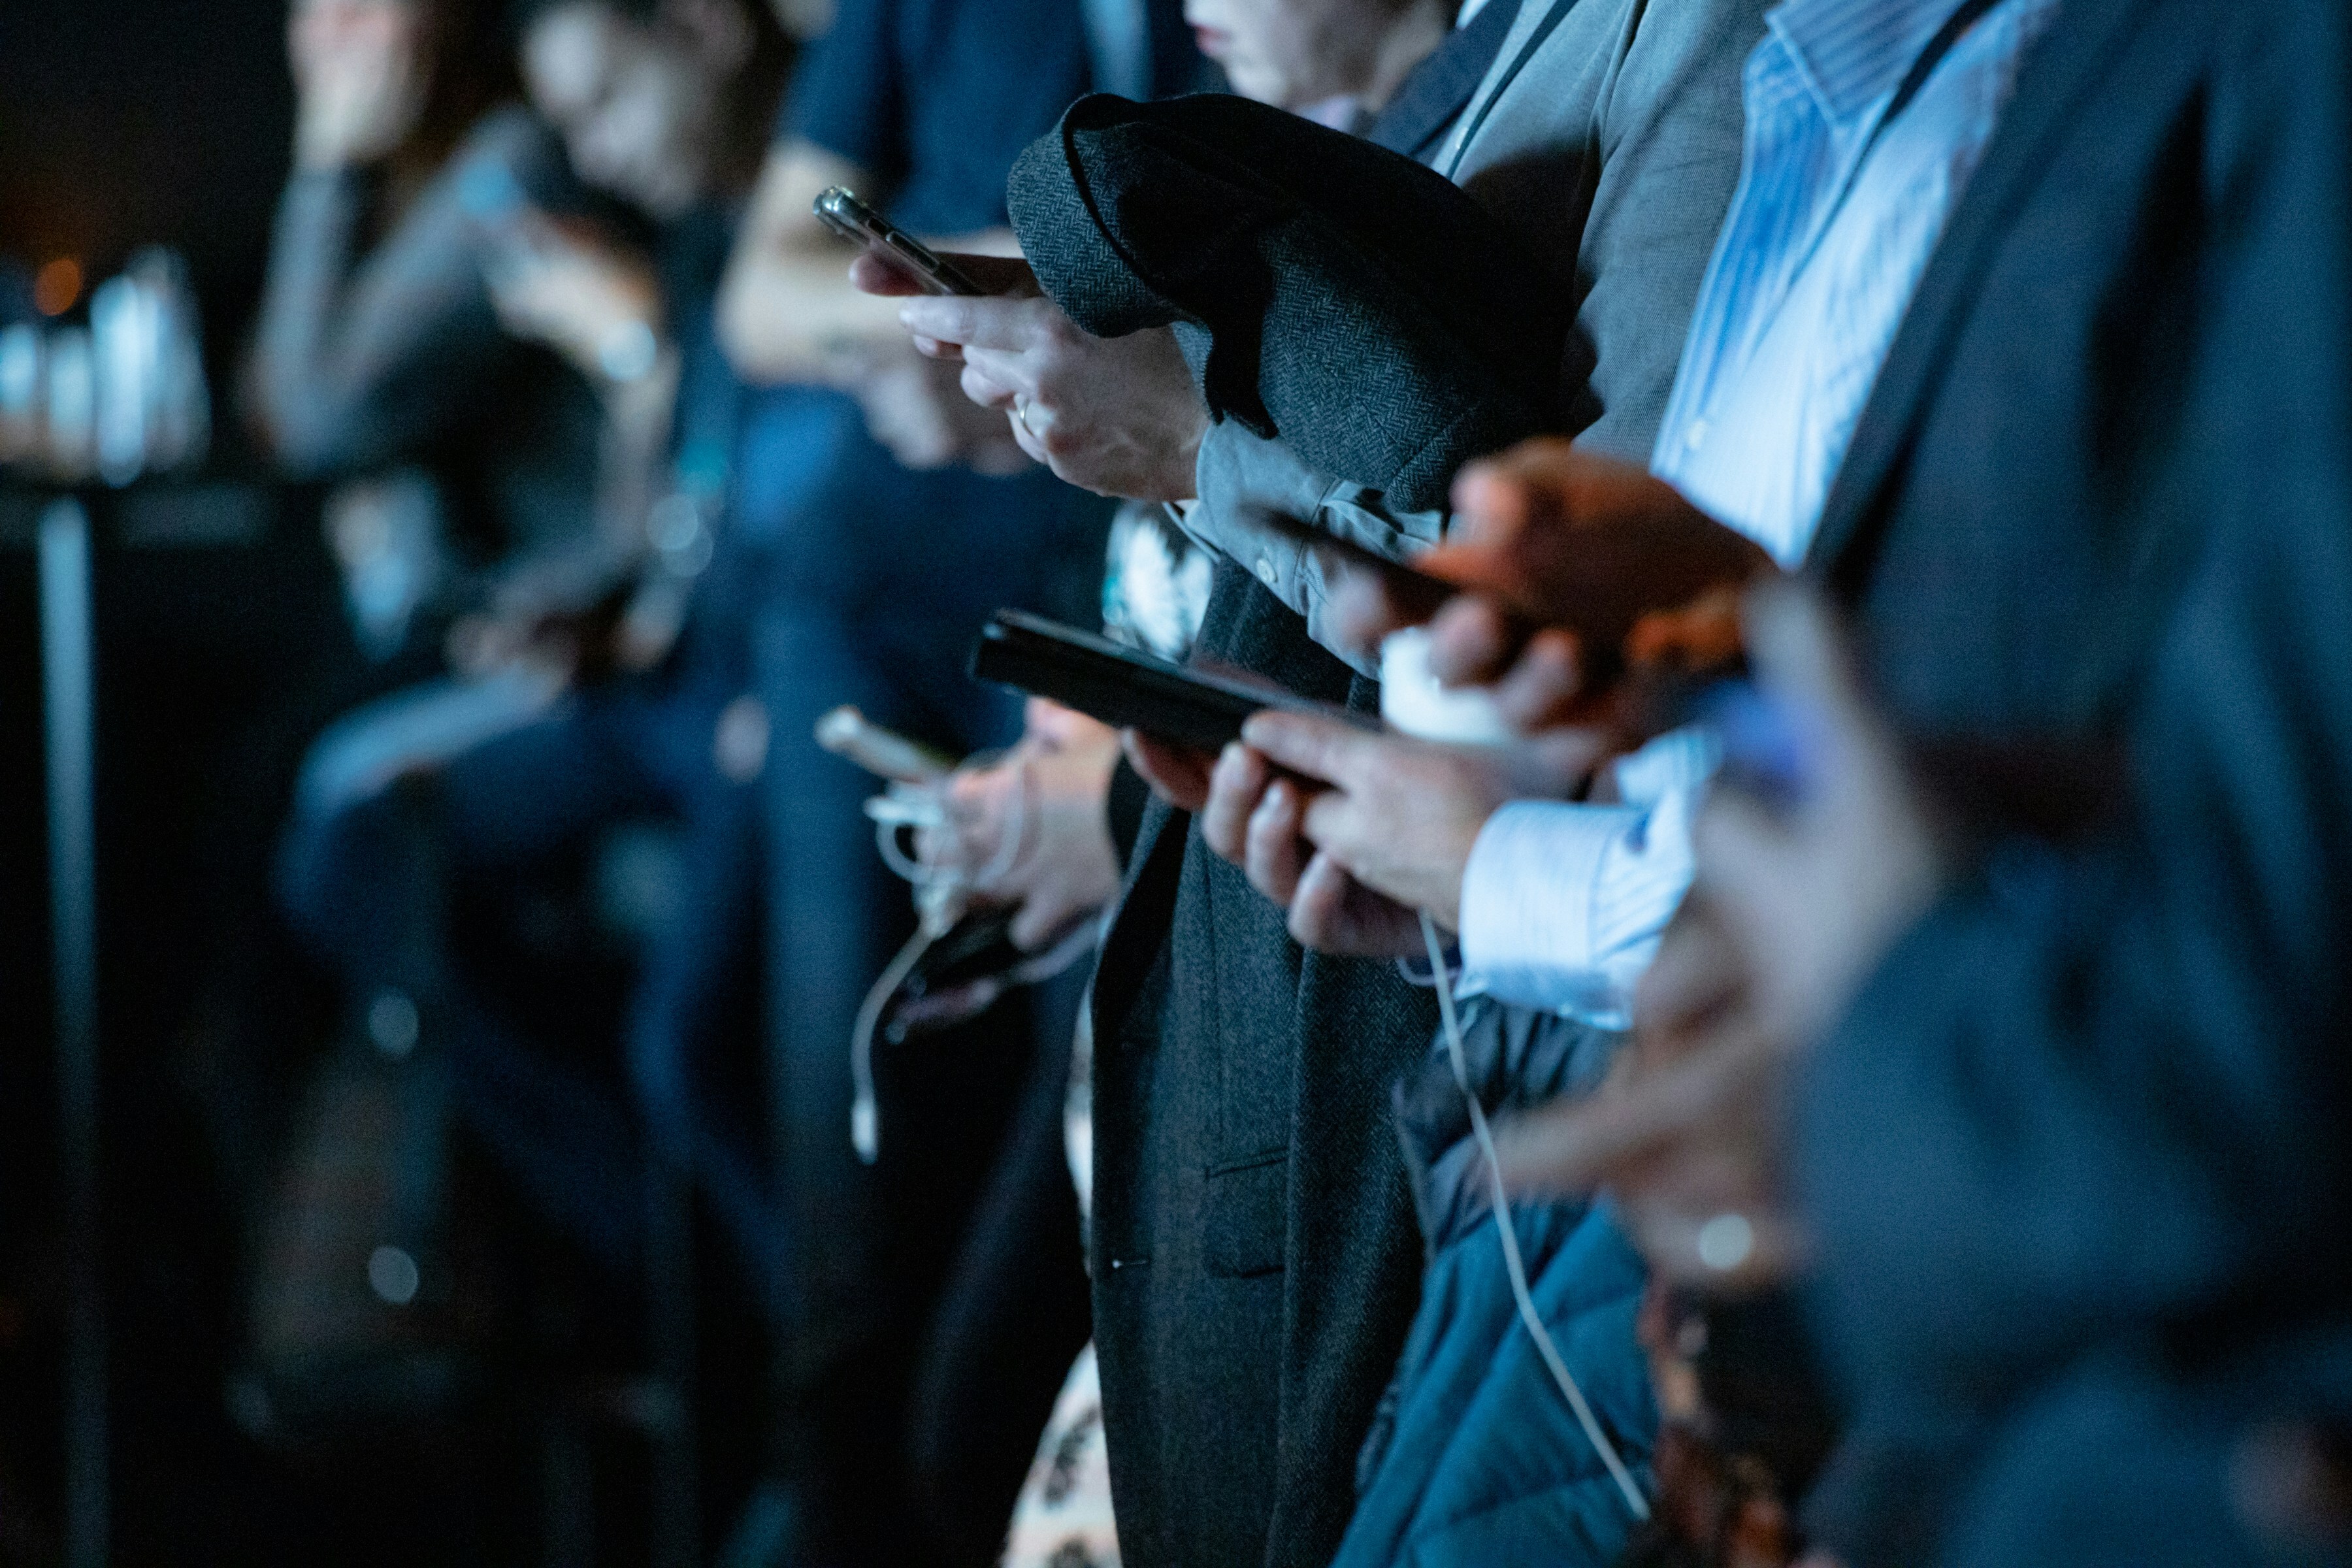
{"points": [[935, 888], [1512, 1262]]}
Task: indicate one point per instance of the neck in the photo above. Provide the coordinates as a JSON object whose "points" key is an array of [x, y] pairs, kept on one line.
{"points": [[1414, 36]]}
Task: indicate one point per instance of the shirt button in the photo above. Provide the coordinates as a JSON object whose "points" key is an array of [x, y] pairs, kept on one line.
{"points": [[1697, 435], [1265, 572]]}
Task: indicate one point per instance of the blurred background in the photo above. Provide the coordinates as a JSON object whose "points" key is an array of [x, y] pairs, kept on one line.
{"points": [[221, 645]]}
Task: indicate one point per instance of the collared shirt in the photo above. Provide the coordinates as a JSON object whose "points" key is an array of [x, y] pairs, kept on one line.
{"points": [[1837, 214]]}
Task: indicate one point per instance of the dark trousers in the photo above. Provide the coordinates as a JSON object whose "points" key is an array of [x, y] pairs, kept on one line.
{"points": [[408, 799]]}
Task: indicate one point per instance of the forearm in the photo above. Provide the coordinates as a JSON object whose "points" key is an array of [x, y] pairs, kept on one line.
{"points": [[361, 359], [310, 259], [787, 314], [787, 311]]}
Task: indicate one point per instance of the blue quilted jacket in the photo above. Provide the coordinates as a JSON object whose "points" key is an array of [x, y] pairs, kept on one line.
{"points": [[1477, 1459]]}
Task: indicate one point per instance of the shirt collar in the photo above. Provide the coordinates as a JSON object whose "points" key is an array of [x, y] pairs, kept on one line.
{"points": [[1852, 53]]}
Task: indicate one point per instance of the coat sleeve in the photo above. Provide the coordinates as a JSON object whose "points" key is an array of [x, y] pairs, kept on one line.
{"points": [[2102, 1087]]}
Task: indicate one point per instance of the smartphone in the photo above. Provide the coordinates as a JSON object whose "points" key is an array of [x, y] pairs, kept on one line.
{"points": [[840, 210], [847, 732], [1128, 688]]}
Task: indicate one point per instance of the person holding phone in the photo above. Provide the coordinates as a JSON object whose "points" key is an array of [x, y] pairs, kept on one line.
{"points": [[926, 518], [1201, 980]]}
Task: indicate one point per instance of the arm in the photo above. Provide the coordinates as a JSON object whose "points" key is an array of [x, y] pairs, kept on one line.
{"points": [[361, 359], [787, 311]]}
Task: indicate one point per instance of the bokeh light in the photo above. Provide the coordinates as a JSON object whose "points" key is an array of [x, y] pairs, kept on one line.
{"points": [[57, 286]]}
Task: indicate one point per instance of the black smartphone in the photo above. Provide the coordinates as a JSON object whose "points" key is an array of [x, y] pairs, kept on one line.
{"points": [[1129, 689], [840, 210]]}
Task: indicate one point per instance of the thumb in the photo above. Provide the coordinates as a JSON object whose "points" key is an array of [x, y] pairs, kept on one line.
{"points": [[1799, 651]]}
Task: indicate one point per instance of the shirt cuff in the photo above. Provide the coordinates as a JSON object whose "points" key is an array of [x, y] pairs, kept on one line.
{"points": [[1562, 904]]}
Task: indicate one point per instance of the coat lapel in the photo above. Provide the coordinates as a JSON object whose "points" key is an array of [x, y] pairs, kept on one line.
{"points": [[1439, 88], [2089, 36]]}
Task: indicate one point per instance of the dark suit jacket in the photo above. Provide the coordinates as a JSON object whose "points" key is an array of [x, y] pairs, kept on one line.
{"points": [[2098, 514]]}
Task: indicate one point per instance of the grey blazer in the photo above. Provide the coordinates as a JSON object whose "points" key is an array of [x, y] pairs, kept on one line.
{"points": [[1610, 138], [1254, 1251]]}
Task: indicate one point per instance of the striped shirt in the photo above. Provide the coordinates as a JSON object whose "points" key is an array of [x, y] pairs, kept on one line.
{"points": [[1838, 211]]}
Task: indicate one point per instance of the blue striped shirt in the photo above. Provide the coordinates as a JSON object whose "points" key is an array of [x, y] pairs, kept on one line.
{"points": [[1836, 215]]}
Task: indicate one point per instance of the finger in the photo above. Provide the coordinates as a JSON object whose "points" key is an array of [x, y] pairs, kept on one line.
{"points": [[871, 274], [996, 275], [1472, 641], [1308, 744], [1028, 440], [1682, 1242], [1697, 971], [1178, 774], [1543, 685], [1575, 1146], [1012, 371], [1318, 906], [1799, 651], [1009, 324], [1274, 851], [946, 354], [1236, 788], [1742, 851], [986, 389]]}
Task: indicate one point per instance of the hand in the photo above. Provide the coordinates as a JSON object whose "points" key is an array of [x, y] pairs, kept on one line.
{"points": [[1533, 674], [1177, 775], [1788, 913], [1401, 815], [1813, 894], [1571, 561], [1050, 790], [359, 77], [914, 407], [1327, 906], [1369, 828], [1258, 821], [1118, 416], [591, 300]]}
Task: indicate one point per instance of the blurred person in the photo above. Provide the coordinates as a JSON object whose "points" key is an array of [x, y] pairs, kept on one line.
{"points": [[1233, 1327], [379, 340], [635, 710], [1046, 831], [926, 518]]}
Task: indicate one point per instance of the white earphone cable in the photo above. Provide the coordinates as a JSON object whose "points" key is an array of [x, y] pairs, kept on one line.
{"points": [[1512, 1262]]}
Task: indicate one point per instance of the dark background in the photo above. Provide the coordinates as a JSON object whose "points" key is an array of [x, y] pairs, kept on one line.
{"points": [[221, 645]]}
